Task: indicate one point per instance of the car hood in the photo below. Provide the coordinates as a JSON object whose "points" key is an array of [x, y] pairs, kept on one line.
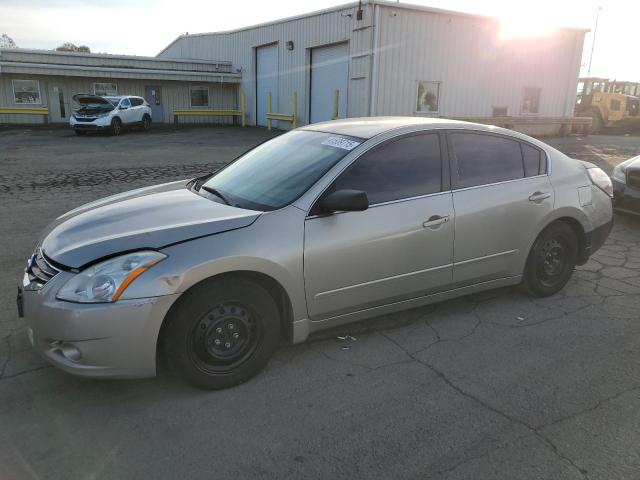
{"points": [[152, 217], [85, 98]]}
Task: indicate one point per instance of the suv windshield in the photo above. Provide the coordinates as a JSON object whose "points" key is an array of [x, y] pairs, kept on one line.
{"points": [[277, 172]]}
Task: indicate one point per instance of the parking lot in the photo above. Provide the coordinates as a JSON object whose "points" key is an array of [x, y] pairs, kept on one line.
{"points": [[497, 385]]}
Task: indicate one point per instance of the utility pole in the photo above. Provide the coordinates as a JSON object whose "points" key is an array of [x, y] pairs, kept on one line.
{"points": [[593, 43]]}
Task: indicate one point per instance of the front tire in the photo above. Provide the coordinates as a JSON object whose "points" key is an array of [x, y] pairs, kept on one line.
{"points": [[551, 260], [222, 332], [116, 127], [146, 123]]}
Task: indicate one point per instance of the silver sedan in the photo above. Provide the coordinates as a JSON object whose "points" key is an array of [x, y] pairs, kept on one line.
{"points": [[319, 227]]}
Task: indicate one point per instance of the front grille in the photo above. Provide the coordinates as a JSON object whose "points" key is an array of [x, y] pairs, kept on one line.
{"points": [[84, 119], [633, 178], [40, 271]]}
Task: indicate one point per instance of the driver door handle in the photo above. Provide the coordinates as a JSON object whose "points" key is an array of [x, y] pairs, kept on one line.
{"points": [[539, 196], [435, 220]]}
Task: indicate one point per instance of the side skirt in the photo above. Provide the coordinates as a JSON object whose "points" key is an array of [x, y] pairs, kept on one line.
{"points": [[305, 327]]}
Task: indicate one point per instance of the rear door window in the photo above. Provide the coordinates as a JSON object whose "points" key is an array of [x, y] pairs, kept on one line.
{"points": [[481, 159], [408, 167]]}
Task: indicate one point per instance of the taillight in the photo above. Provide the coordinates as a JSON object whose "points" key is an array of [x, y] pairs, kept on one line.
{"points": [[601, 180]]}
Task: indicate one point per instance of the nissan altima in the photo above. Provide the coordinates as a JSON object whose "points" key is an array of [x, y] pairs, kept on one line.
{"points": [[324, 225]]}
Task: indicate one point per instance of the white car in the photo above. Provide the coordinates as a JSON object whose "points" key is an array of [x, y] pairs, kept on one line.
{"points": [[112, 113]]}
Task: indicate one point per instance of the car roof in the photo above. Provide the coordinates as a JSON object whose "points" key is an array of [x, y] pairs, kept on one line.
{"points": [[367, 127]]}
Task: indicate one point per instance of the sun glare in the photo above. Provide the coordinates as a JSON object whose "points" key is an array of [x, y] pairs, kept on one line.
{"points": [[523, 24]]}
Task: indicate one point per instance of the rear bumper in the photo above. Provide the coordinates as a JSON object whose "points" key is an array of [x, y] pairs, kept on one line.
{"points": [[594, 240]]}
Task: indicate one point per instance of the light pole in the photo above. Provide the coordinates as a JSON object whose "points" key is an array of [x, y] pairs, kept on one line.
{"points": [[593, 43]]}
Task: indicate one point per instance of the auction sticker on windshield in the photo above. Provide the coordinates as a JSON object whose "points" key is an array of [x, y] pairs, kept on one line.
{"points": [[340, 142]]}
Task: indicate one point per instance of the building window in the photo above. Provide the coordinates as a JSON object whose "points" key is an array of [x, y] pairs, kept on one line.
{"points": [[428, 97], [199, 96], [531, 100], [26, 92], [499, 112], [105, 89]]}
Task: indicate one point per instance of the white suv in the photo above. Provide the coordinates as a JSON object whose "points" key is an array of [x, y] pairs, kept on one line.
{"points": [[109, 113]]}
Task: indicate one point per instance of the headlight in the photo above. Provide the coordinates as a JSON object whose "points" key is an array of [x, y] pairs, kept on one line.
{"points": [[619, 173], [106, 281]]}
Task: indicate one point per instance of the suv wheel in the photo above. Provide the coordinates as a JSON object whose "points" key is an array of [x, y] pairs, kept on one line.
{"points": [[222, 332], [551, 260], [146, 123], [116, 126]]}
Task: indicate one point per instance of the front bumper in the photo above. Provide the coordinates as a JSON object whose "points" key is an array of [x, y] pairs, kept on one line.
{"points": [[626, 199], [94, 340], [97, 124]]}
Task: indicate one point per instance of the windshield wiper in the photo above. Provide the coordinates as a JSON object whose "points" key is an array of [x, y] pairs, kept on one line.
{"points": [[215, 192]]}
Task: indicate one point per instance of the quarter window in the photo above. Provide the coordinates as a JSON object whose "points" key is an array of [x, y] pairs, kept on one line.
{"points": [[531, 100], [26, 92], [104, 89], [404, 168], [428, 97], [535, 162], [484, 159], [199, 96], [136, 102]]}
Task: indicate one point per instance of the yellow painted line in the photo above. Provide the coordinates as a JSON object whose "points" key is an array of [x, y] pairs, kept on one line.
{"points": [[208, 112], [24, 111]]}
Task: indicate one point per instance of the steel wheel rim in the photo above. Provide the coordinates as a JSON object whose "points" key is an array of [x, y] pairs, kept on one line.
{"points": [[552, 261], [224, 338]]}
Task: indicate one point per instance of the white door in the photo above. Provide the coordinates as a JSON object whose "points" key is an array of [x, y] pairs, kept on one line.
{"points": [[329, 73], [59, 108], [266, 81]]}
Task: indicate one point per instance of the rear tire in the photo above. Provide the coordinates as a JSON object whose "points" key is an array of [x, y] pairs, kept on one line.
{"points": [[222, 332], [551, 260], [146, 123], [116, 127]]}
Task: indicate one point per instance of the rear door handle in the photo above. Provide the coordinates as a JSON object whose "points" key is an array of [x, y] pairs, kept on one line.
{"points": [[539, 196], [435, 220]]}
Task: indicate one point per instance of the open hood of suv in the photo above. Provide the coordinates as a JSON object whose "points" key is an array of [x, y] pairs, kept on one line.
{"points": [[86, 99]]}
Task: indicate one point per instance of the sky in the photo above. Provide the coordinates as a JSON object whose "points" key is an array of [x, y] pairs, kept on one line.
{"points": [[144, 27]]}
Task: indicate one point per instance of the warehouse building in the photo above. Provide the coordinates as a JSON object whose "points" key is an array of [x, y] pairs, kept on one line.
{"points": [[387, 58], [37, 86], [360, 59]]}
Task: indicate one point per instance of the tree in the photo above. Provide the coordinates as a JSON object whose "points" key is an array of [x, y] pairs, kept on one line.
{"points": [[7, 42], [71, 47]]}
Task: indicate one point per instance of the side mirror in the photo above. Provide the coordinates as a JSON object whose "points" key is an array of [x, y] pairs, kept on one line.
{"points": [[344, 201]]}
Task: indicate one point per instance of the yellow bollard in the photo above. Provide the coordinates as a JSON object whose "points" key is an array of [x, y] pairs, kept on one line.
{"points": [[243, 109], [336, 104], [294, 110], [269, 111]]}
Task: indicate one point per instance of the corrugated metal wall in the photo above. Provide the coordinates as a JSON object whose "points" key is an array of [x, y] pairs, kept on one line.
{"points": [[306, 33], [175, 95], [477, 69]]}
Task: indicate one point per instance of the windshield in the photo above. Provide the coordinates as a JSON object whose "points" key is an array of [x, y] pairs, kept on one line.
{"points": [[277, 172]]}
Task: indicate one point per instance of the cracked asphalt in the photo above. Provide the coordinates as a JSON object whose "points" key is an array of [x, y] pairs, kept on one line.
{"points": [[493, 386]]}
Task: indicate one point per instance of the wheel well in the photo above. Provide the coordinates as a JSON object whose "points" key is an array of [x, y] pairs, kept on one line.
{"points": [[576, 226], [271, 285], [147, 115]]}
